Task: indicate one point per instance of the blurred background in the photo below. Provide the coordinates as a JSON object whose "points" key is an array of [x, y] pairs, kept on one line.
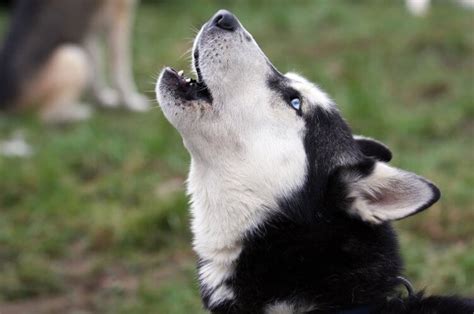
{"points": [[96, 221]]}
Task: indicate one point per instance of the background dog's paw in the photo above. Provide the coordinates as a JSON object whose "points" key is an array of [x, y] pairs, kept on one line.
{"points": [[136, 102], [108, 98], [67, 114], [15, 146]]}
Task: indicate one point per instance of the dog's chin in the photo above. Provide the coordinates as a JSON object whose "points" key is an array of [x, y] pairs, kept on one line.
{"points": [[181, 90]]}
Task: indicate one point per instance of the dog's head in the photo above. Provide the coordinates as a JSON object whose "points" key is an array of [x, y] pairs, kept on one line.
{"points": [[279, 134]]}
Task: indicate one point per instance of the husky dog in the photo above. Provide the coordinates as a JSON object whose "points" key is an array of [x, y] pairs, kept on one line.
{"points": [[52, 52], [290, 212]]}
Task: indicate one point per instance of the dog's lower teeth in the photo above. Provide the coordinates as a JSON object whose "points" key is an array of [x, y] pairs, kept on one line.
{"points": [[188, 80], [180, 73]]}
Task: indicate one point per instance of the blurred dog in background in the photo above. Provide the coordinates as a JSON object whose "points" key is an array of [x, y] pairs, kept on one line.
{"points": [[52, 52], [421, 7]]}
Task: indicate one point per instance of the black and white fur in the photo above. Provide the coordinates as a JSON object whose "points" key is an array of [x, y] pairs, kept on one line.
{"points": [[290, 212]]}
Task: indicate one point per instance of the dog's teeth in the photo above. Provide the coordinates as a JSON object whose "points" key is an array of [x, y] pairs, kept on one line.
{"points": [[180, 73], [188, 80]]}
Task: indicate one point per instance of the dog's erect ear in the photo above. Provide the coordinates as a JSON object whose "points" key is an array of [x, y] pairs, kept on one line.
{"points": [[382, 193], [373, 148]]}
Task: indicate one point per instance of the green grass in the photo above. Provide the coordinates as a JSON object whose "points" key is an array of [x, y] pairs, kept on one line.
{"points": [[99, 212]]}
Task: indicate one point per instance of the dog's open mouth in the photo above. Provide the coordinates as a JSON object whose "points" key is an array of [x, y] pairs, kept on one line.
{"points": [[187, 88]]}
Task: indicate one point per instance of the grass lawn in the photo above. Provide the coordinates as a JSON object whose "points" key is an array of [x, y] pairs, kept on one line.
{"points": [[97, 220]]}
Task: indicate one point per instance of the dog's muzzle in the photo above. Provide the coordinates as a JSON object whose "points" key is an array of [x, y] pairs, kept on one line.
{"points": [[189, 89]]}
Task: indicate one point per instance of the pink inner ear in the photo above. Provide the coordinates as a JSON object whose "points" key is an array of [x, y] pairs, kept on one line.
{"points": [[382, 199], [385, 196], [390, 194]]}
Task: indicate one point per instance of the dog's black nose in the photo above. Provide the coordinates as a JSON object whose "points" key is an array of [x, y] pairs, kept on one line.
{"points": [[225, 20]]}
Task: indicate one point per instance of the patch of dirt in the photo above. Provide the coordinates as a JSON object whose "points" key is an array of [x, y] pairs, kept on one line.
{"points": [[434, 90], [90, 286]]}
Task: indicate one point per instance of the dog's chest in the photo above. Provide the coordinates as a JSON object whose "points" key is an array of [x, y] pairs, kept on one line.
{"points": [[258, 278]]}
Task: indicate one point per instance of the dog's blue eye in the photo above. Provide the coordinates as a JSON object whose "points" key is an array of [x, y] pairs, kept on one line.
{"points": [[296, 103]]}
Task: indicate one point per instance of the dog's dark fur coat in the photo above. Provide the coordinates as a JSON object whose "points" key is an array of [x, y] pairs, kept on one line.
{"points": [[316, 251]]}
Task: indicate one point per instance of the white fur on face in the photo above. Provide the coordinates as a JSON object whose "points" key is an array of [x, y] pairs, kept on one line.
{"points": [[246, 147]]}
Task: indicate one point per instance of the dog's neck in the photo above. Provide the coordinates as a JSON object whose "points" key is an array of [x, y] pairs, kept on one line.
{"points": [[231, 197], [232, 193], [224, 207]]}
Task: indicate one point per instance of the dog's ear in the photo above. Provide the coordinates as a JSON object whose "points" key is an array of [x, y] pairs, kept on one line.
{"points": [[373, 148], [378, 192]]}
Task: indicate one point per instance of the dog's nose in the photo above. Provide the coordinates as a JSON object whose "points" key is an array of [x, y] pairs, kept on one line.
{"points": [[225, 20]]}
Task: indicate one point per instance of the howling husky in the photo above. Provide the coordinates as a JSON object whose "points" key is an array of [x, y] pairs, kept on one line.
{"points": [[290, 212]]}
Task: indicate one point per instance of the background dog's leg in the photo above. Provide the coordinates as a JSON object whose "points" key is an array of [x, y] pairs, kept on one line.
{"points": [[60, 84], [118, 41], [103, 94], [418, 7], [468, 4]]}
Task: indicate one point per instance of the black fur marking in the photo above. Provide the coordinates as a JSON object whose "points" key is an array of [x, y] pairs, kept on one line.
{"points": [[374, 149], [419, 304], [5, 3], [287, 93], [196, 64]]}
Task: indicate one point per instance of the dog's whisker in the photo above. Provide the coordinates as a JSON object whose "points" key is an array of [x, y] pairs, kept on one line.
{"points": [[194, 30], [186, 54]]}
